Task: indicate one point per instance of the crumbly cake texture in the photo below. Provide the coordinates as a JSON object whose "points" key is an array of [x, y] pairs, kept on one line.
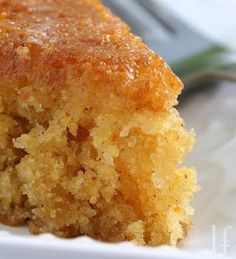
{"points": [[90, 143]]}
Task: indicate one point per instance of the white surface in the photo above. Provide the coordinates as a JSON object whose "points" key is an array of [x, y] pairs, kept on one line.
{"points": [[46, 246], [213, 115]]}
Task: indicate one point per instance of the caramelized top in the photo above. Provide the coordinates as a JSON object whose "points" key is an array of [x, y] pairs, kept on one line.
{"points": [[55, 44]]}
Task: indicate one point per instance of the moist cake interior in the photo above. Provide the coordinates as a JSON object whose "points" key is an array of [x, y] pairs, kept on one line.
{"points": [[84, 166], [90, 141]]}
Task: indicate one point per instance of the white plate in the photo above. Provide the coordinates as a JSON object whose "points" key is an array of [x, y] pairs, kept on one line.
{"points": [[213, 115], [46, 246]]}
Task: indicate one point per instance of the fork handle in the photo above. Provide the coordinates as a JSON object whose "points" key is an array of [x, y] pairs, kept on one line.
{"points": [[207, 77]]}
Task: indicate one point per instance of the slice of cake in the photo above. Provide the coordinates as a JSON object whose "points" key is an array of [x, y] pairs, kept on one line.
{"points": [[90, 143]]}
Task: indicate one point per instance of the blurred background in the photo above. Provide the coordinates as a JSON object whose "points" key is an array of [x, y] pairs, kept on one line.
{"points": [[214, 18]]}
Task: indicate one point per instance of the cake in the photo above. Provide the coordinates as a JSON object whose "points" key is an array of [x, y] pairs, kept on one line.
{"points": [[90, 140]]}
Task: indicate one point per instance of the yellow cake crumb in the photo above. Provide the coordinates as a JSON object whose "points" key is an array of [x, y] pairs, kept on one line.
{"points": [[90, 141]]}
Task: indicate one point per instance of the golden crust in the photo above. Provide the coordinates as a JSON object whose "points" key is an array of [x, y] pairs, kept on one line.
{"points": [[89, 141], [46, 43]]}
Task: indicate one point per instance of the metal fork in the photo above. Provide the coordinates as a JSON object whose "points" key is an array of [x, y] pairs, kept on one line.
{"points": [[196, 59]]}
